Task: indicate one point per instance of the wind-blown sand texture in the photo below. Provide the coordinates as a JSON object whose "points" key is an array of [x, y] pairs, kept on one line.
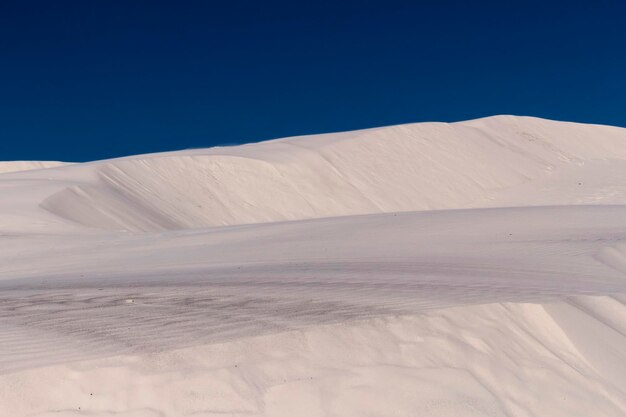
{"points": [[466, 269]]}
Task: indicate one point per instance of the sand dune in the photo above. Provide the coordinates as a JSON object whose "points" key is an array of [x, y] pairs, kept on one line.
{"points": [[467, 269], [426, 166], [17, 166]]}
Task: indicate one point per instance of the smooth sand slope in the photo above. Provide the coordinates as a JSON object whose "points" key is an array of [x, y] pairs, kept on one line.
{"points": [[466, 269], [17, 166]]}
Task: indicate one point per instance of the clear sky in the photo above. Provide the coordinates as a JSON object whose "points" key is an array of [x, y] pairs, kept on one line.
{"points": [[86, 80]]}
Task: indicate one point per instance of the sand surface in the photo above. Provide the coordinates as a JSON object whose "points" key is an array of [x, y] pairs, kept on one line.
{"points": [[467, 269]]}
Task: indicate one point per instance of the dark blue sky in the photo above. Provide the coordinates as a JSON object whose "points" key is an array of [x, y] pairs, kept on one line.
{"points": [[85, 80]]}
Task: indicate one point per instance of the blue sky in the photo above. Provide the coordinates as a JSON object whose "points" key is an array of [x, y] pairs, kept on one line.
{"points": [[87, 80]]}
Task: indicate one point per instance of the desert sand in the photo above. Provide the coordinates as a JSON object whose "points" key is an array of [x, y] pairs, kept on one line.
{"points": [[466, 269]]}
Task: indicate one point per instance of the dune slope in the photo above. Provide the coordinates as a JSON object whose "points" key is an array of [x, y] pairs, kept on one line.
{"points": [[467, 269], [17, 166], [423, 166]]}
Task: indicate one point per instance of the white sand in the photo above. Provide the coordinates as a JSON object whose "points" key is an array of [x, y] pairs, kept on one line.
{"points": [[17, 166], [467, 269]]}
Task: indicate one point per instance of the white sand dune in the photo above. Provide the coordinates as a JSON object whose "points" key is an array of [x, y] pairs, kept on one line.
{"points": [[466, 269], [16, 166]]}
